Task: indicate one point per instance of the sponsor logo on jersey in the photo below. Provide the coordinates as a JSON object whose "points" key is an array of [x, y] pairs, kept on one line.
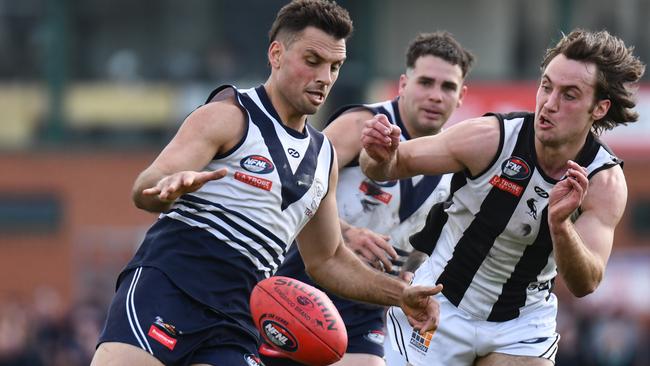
{"points": [[162, 337], [540, 192], [375, 336], [254, 181], [280, 336], [421, 342], [507, 185], [371, 189], [293, 152], [515, 168], [252, 360], [539, 286], [257, 164]]}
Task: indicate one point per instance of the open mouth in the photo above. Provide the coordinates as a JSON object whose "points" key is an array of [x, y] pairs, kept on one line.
{"points": [[544, 122], [316, 97]]}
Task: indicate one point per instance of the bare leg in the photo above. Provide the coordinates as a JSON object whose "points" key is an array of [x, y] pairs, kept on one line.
{"points": [[115, 354], [501, 359], [356, 359]]}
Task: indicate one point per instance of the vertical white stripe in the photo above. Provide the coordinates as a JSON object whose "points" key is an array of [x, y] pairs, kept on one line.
{"points": [[128, 313], [131, 306]]}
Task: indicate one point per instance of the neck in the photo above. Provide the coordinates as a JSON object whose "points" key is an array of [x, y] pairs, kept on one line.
{"points": [[288, 115], [553, 159]]}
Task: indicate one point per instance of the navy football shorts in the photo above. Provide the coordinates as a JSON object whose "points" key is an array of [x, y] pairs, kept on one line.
{"points": [[150, 312]]}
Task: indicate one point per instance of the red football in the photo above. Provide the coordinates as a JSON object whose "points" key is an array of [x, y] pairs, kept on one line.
{"points": [[298, 320]]}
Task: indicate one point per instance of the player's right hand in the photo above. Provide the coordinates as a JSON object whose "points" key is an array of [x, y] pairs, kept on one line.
{"points": [[421, 309], [369, 246], [173, 186], [380, 138]]}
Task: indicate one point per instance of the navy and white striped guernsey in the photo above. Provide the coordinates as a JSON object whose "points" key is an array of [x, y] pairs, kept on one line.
{"points": [[494, 253], [395, 208], [275, 182]]}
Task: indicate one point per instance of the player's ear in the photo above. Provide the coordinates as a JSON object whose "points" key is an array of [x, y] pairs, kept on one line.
{"points": [[274, 53], [600, 109], [403, 79], [463, 92]]}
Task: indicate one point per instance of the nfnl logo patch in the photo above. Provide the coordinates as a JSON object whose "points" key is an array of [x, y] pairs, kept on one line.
{"points": [[252, 360], [254, 181], [280, 336], [515, 168], [257, 164]]}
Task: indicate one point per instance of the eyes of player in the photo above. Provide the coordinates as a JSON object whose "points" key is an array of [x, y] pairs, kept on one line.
{"points": [[314, 61], [568, 95]]}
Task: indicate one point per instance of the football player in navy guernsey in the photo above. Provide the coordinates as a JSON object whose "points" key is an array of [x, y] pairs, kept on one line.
{"points": [[533, 195], [377, 217], [242, 179]]}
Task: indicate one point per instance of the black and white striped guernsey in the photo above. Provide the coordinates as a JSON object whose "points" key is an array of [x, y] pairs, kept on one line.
{"points": [[494, 253]]}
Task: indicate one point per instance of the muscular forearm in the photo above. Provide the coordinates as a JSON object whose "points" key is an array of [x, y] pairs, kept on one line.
{"points": [[345, 275], [581, 269], [379, 171]]}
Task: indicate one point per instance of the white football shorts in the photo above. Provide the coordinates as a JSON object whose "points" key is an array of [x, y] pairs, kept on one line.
{"points": [[461, 338]]}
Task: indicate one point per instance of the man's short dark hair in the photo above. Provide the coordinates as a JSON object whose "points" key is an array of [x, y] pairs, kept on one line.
{"points": [[321, 14], [617, 71], [440, 44]]}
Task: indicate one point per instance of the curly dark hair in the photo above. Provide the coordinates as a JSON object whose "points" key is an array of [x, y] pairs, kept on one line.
{"points": [[618, 72], [322, 14], [440, 44]]}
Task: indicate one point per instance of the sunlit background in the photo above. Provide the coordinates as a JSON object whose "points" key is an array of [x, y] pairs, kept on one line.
{"points": [[90, 91]]}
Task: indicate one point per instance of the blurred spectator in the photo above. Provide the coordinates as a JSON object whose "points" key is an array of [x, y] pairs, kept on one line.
{"points": [[16, 348]]}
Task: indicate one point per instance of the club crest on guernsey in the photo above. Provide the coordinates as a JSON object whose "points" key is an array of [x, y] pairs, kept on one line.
{"points": [[318, 190]]}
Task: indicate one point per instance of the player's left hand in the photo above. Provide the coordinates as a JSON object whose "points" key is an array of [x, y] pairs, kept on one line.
{"points": [[371, 247], [422, 310], [568, 194]]}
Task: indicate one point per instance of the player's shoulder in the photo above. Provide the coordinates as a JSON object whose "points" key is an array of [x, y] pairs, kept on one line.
{"points": [[610, 179], [224, 111], [478, 125], [356, 114], [221, 121]]}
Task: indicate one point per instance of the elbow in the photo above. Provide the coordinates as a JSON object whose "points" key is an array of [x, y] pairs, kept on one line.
{"points": [[313, 271], [137, 201], [582, 290]]}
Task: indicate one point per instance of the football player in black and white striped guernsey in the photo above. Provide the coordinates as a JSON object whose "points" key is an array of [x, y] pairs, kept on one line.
{"points": [[533, 195], [242, 179]]}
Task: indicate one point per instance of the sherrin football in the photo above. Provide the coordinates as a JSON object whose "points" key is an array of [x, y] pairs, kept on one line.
{"points": [[298, 320]]}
